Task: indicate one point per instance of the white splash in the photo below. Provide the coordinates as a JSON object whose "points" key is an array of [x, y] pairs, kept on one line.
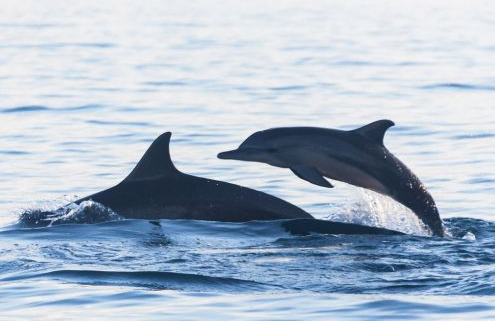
{"points": [[469, 237], [373, 209], [87, 212], [47, 214]]}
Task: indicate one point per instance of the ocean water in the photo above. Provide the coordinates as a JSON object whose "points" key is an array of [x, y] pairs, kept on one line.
{"points": [[85, 87]]}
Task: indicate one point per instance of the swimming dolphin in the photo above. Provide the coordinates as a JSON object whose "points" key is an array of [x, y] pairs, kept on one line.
{"points": [[155, 189], [357, 157]]}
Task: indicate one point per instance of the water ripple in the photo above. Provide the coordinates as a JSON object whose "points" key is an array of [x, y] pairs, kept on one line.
{"points": [[54, 46], [458, 86], [36, 108], [23, 109]]}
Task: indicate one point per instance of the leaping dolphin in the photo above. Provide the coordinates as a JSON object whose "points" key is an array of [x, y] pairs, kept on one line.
{"points": [[155, 189], [356, 157]]}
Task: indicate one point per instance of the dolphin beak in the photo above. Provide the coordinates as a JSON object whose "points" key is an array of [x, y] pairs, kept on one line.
{"points": [[238, 154]]}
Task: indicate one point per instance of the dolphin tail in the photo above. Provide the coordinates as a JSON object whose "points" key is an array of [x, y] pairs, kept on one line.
{"points": [[431, 218]]}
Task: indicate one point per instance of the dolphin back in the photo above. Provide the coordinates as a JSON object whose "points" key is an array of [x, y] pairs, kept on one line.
{"points": [[156, 189]]}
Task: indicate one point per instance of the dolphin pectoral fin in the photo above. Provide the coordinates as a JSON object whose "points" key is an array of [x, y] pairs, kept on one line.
{"points": [[311, 175]]}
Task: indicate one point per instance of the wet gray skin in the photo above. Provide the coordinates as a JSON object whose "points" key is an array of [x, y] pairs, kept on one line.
{"points": [[356, 157], [155, 189]]}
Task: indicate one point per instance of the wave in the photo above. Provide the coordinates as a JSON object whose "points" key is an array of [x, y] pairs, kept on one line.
{"points": [[155, 280], [90, 212], [279, 256], [374, 219]]}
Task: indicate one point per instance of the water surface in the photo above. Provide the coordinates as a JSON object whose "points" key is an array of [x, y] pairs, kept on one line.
{"points": [[85, 88]]}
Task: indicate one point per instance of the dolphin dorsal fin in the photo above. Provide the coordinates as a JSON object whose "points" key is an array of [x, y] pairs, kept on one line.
{"points": [[156, 161], [375, 130]]}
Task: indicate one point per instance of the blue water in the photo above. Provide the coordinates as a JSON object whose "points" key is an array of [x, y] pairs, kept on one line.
{"points": [[86, 87]]}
